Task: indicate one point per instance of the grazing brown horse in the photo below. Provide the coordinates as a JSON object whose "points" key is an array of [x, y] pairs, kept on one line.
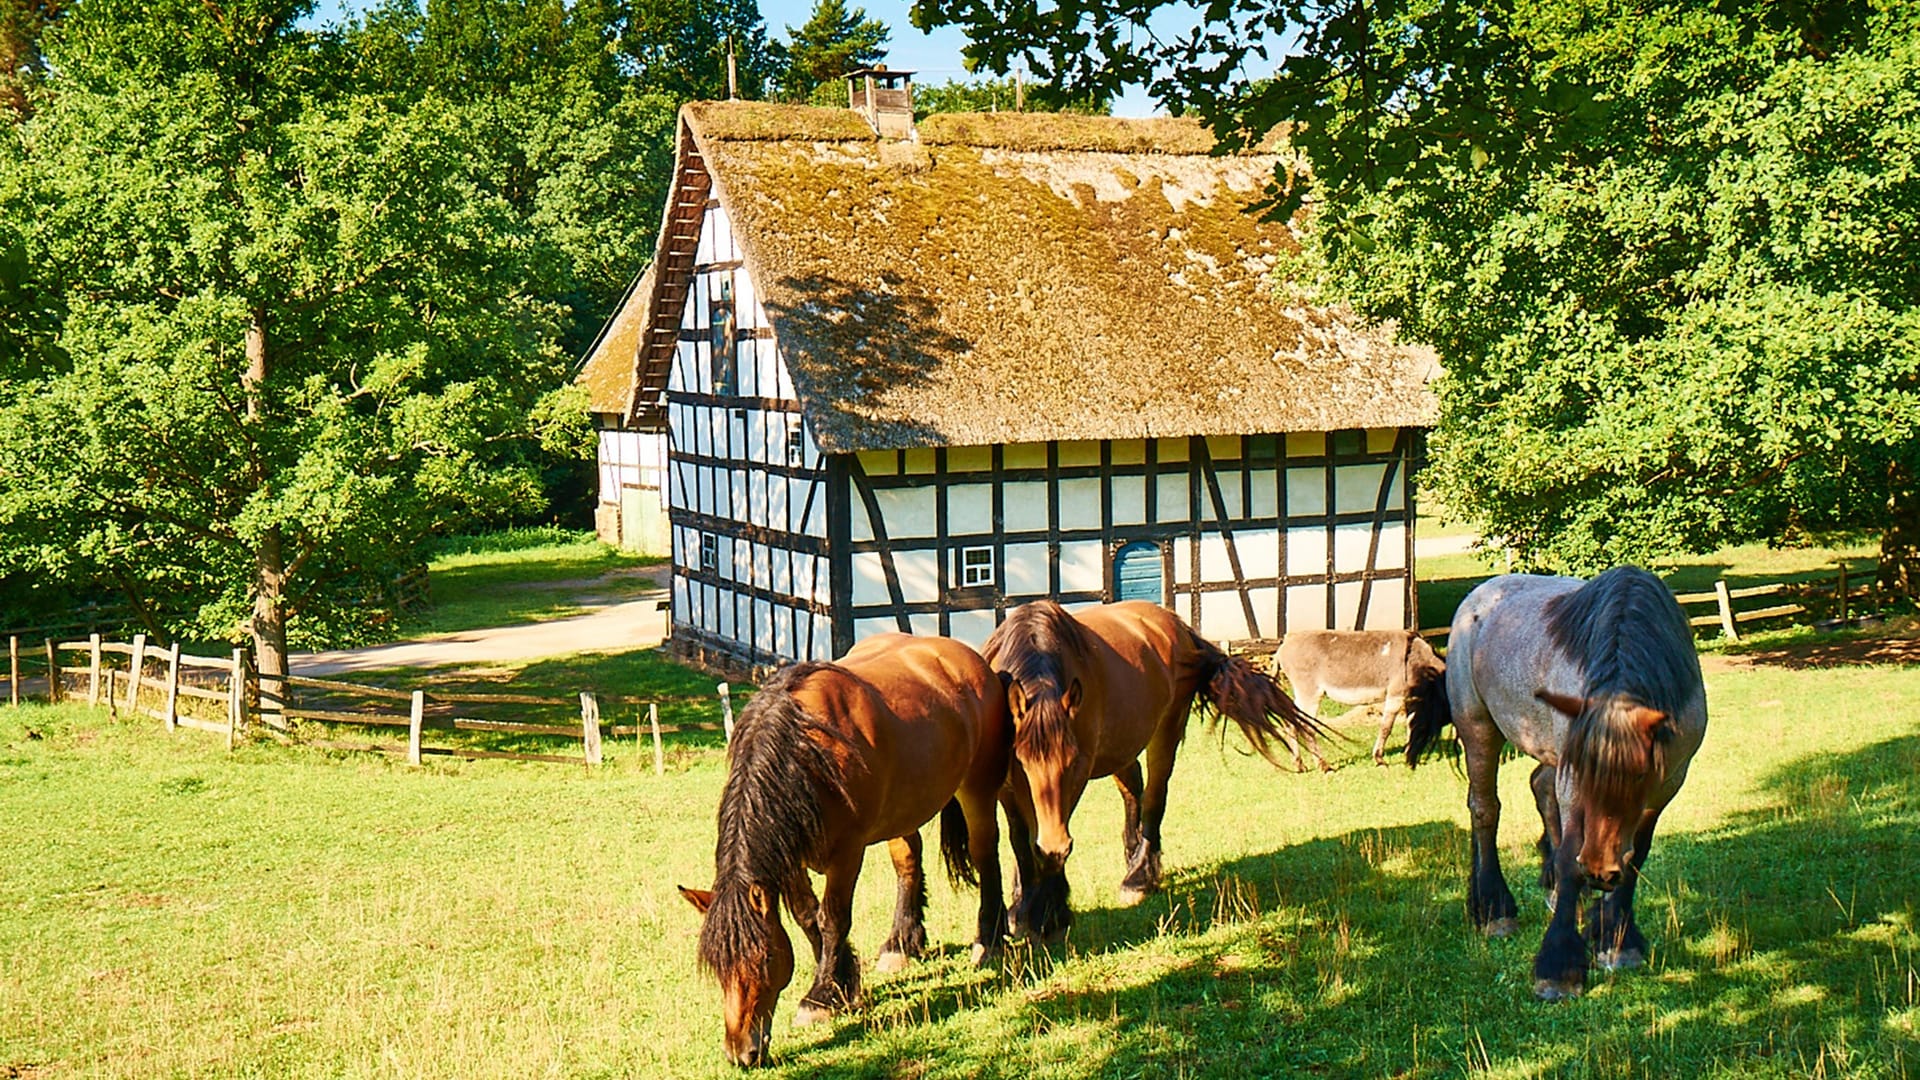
{"points": [[1597, 681], [827, 759], [1089, 691]]}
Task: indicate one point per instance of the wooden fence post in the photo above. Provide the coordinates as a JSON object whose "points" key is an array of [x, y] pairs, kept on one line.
{"points": [[13, 656], [93, 677], [53, 673], [136, 673], [653, 721], [1727, 624], [237, 698], [590, 726], [173, 687], [1843, 590], [413, 727], [113, 699], [726, 709]]}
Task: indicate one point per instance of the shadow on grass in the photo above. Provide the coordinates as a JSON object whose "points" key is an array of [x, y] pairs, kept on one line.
{"points": [[624, 683], [1784, 944]]}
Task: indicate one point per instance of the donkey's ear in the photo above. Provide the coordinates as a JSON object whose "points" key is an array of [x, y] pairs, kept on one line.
{"points": [[701, 899], [1654, 724], [1071, 699], [1565, 704]]}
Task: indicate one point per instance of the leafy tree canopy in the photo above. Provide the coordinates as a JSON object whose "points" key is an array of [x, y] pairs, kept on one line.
{"points": [[1665, 248], [276, 303], [834, 41], [1002, 95]]}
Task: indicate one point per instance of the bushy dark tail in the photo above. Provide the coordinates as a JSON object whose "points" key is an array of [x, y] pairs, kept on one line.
{"points": [[953, 845], [1424, 726], [1231, 688]]}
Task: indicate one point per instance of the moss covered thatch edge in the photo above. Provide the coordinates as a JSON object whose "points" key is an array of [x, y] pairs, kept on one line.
{"points": [[765, 121]]}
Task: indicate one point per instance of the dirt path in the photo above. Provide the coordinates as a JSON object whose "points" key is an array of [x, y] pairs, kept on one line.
{"points": [[615, 627]]}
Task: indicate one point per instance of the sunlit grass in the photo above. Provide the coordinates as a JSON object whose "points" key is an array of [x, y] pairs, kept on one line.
{"points": [[168, 909], [526, 575]]}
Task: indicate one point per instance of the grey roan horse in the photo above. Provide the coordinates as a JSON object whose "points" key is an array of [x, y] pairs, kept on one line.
{"points": [[1598, 681]]}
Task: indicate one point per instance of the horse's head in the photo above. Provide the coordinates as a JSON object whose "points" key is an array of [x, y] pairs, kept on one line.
{"points": [[1049, 756], [1616, 755], [745, 946]]}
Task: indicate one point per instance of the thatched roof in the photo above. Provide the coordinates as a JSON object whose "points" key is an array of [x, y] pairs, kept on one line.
{"points": [[610, 370], [1020, 278]]}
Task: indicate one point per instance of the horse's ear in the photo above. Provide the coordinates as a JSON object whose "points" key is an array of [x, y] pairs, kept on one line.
{"points": [[1564, 704], [1071, 699], [701, 899], [1654, 724], [1016, 695], [760, 900]]}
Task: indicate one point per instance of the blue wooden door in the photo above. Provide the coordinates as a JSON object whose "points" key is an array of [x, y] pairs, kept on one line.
{"points": [[1137, 573]]}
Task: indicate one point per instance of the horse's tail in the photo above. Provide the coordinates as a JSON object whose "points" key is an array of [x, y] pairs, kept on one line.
{"points": [[1233, 689], [1435, 713], [953, 845]]}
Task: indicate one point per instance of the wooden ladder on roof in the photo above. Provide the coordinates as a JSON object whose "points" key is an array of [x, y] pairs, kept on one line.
{"points": [[672, 284]]}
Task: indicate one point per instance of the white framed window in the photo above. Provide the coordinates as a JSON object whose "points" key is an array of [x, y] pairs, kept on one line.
{"points": [[709, 552], [796, 447], [974, 567]]}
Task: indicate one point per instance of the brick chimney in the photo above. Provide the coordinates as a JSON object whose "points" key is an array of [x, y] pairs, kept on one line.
{"points": [[884, 99]]}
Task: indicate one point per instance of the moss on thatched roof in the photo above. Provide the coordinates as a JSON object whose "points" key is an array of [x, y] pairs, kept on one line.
{"points": [[974, 288], [766, 121], [611, 367]]}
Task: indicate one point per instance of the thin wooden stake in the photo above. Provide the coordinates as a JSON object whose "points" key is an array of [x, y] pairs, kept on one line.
{"points": [[659, 757], [136, 672], [237, 698], [1843, 591], [53, 673], [413, 727], [13, 656], [93, 676], [1727, 625], [590, 726], [173, 687], [113, 699], [726, 709]]}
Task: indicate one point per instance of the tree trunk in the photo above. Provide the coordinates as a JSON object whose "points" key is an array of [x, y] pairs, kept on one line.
{"points": [[269, 624], [1900, 544]]}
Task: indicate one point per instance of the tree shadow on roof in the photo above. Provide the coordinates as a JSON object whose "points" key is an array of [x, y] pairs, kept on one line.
{"points": [[866, 362]]}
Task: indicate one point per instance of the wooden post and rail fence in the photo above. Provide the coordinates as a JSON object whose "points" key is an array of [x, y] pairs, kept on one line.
{"points": [[1729, 618], [218, 695]]}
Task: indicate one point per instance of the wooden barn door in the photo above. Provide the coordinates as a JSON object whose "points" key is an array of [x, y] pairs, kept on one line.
{"points": [[1139, 572]]}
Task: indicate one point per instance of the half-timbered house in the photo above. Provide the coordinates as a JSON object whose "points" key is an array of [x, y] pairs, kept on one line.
{"points": [[910, 383]]}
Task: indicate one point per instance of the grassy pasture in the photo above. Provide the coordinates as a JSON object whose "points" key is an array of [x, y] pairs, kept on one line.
{"points": [[526, 575], [167, 909]]}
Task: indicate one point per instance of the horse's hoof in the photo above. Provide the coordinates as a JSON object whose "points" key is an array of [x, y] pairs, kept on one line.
{"points": [[982, 956], [809, 1014], [1550, 990], [890, 962], [1620, 959], [1131, 895], [1501, 928]]}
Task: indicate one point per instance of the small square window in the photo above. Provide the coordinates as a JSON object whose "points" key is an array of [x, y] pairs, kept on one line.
{"points": [[976, 567], [1263, 449], [796, 447], [1349, 443], [709, 552]]}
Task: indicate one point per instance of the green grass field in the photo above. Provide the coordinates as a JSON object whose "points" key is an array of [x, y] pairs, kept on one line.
{"points": [[525, 575], [169, 910]]}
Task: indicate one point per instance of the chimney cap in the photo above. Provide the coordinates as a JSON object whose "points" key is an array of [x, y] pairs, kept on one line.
{"points": [[880, 73]]}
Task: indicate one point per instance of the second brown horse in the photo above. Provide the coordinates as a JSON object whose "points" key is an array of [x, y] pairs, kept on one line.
{"points": [[1090, 693]]}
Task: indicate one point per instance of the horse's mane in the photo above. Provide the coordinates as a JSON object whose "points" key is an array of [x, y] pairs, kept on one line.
{"points": [[1632, 641], [778, 776], [1027, 648]]}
